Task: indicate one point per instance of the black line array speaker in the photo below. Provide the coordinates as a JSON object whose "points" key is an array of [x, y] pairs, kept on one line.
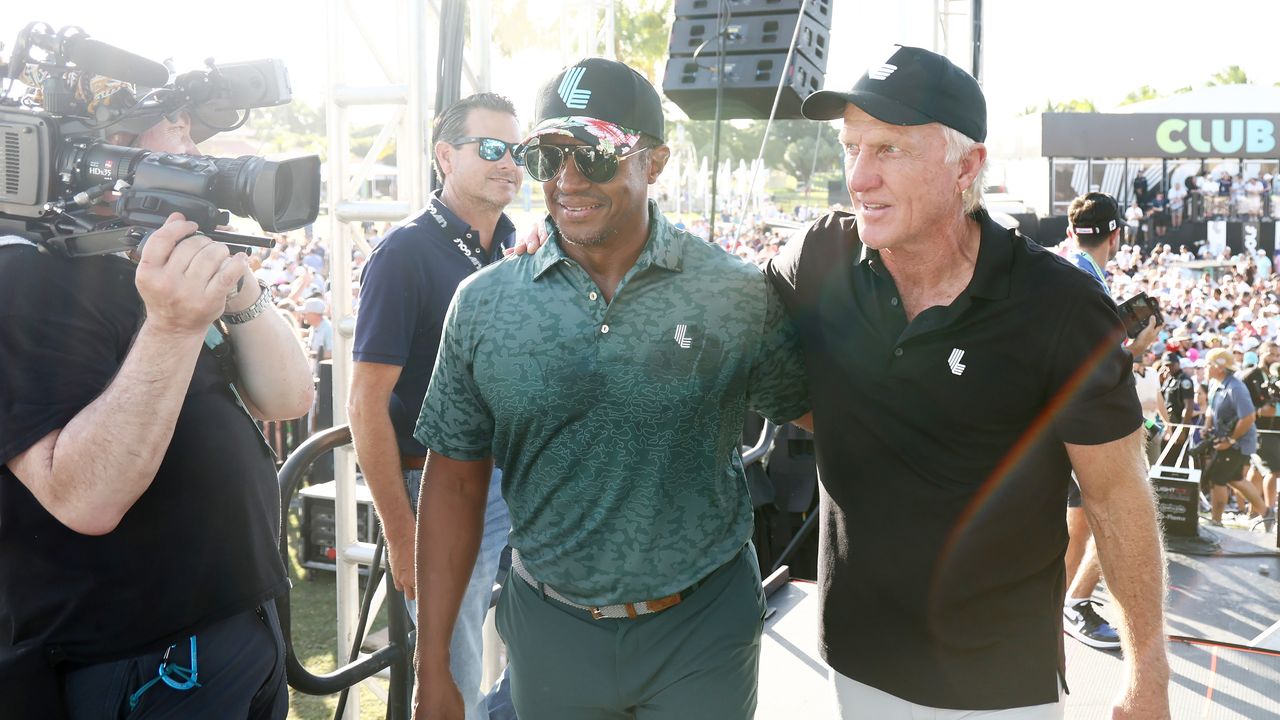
{"points": [[757, 36], [820, 9], [753, 34]]}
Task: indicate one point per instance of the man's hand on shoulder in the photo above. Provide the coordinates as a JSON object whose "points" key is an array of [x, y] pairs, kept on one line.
{"points": [[530, 243], [184, 278]]}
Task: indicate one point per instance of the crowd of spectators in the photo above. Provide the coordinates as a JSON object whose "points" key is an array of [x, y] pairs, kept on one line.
{"points": [[1207, 300], [1228, 300], [1201, 196]]}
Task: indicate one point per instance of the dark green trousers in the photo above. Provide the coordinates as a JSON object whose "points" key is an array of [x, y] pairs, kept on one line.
{"points": [[698, 660]]}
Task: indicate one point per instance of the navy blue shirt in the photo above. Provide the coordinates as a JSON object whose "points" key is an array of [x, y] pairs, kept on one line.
{"points": [[405, 290]]}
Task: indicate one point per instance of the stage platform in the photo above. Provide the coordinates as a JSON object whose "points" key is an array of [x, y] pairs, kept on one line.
{"points": [[1226, 604]]}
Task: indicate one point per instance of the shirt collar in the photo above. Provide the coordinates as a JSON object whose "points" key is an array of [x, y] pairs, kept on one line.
{"points": [[440, 216], [663, 248], [991, 276], [443, 218], [994, 265]]}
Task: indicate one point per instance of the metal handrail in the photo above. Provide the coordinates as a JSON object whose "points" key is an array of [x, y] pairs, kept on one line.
{"points": [[755, 453], [398, 653]]}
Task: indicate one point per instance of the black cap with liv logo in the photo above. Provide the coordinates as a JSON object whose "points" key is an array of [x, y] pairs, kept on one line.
{"points": [[599, 89], [913, 87]]}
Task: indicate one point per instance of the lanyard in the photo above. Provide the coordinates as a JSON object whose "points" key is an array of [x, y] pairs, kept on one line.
{"points": [[1097, 271], [466, 250], [459, 242]]}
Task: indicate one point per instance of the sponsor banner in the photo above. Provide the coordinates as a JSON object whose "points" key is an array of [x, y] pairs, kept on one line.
{"points": [[1146, 135]]}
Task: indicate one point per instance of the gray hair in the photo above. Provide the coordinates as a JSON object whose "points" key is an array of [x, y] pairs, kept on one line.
{"points": [[959, 145]]}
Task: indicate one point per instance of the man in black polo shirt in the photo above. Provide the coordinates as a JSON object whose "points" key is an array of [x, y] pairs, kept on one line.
{"points": [[958, 367], [404, 293]]}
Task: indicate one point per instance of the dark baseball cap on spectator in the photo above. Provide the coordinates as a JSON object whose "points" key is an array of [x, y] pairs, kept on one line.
{"points": [[913, 87], [600, 102], [1172, 357], [1094, 215]]}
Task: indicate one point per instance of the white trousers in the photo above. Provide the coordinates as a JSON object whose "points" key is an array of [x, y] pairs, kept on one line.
{"points": [[856, 701]]}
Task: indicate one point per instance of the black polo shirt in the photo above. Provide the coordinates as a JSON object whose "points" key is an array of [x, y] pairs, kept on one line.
{"points": [[405, 290], [940, 447]]}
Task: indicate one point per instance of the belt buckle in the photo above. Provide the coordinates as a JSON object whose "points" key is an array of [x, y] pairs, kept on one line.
{"points": [[597, 614]]}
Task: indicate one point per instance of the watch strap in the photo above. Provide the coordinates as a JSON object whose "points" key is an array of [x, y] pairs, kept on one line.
{"points": [[257, 308]]}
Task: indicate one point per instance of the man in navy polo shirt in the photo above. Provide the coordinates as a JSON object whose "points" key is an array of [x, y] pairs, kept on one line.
{"points": [[958, 367], [404, 292]]}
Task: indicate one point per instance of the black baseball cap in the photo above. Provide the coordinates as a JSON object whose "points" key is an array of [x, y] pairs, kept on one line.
{"points": [[600, 102], [1096, 214], [913, 87]]}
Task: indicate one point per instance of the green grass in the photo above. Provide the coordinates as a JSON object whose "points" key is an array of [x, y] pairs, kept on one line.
{"points": [[313, 604]]}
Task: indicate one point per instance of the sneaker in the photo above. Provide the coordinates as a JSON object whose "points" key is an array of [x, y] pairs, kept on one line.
{"points": [[1085, 624]]}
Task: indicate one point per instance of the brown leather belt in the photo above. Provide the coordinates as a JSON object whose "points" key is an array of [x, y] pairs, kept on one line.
{"points": [[412, 462], [606, 612]]}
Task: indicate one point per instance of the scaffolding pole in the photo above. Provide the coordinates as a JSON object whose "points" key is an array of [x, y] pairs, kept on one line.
{"points": [[402, 99]]}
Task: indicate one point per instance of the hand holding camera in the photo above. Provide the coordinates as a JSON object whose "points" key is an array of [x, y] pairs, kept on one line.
{"points": [[184, 278]]}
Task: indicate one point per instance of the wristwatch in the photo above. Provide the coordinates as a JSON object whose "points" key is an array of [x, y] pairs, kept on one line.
{"points": [[254, 310]]}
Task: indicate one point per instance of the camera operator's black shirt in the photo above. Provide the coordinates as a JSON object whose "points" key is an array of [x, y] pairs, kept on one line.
{"points": [[958, 420], [1259, 385], [198, 546]]}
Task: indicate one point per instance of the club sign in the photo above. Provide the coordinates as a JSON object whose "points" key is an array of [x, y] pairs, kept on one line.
{"points": [[1141, 135]]}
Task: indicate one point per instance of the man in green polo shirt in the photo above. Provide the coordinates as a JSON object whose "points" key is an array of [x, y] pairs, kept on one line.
{"points": [[608, 375]]}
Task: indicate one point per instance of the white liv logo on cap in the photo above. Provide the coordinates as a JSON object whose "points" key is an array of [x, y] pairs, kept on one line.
{"points": [[572, 96]]}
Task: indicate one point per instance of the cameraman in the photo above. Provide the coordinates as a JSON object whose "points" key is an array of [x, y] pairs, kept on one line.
{"points": [[1262, 384], [139, 509], [1230, 424]]}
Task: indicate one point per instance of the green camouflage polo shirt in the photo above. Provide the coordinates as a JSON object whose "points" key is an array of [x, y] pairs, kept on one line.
{"points": [[616, 424]]}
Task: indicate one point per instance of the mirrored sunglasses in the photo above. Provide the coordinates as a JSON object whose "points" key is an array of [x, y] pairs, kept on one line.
{"points": [[491, 149], [545, 161]]}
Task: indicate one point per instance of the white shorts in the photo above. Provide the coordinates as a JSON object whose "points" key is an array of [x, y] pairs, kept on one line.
{"points": [[856, 701]]}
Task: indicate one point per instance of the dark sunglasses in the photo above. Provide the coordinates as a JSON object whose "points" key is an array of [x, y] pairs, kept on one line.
{"points": [[491, 149], [545, 161]]}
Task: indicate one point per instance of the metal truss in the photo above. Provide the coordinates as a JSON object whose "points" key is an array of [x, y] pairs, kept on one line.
{"points": [[401, 94]]}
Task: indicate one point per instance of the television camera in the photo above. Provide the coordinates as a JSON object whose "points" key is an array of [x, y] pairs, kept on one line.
{"points": [[64, 186]]}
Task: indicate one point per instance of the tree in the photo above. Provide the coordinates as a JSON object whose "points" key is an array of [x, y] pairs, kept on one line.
{"points": [[297, 126], [1233, 75], [817, 150], [1146, 92], [641, 31], [1070, 106]]}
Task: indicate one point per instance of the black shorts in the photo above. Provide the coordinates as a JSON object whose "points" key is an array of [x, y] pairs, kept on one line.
{"points": [[1226, 467], [1074, 499], [1267, 459]]}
